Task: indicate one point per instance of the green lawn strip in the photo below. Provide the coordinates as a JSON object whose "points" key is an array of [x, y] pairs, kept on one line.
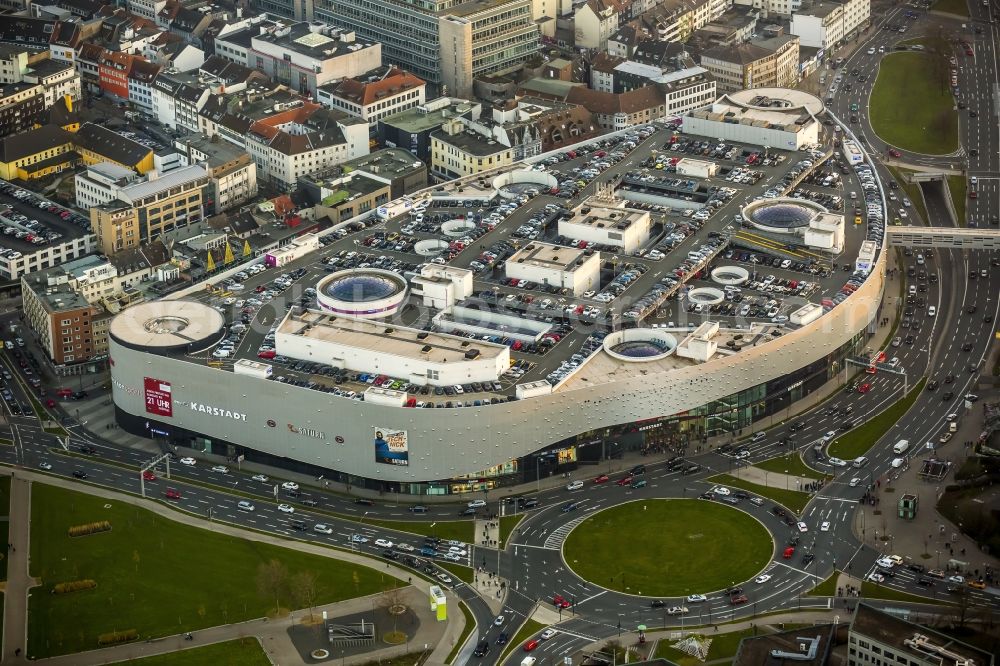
{"points": [[463, 573], [411, 659], [6, 442], [507, 525], [911, 190], [697, 547], [857, 442], [530, 629], [795, 500], [956, 7], [827, 588], [790, 463], [155, 575], [723, 646], [460, 530], [239, 652], [910, 109], [470, 626], [957, 185], [872, 590]]}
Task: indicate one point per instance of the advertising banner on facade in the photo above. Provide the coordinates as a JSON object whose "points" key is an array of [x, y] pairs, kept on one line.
{"points": [[159, 399], [391, 447]]}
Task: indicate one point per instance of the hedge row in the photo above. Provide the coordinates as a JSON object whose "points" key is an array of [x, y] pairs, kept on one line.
{"points": [[90, 528], [117, 637], [74, 586]]}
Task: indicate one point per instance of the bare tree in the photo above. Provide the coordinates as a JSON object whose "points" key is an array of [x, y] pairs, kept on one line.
{"points": [[393, 603], [303, 588], [272, 577]]}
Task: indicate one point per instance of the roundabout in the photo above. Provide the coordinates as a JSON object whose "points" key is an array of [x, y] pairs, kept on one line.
{"points": [[668, 547]]}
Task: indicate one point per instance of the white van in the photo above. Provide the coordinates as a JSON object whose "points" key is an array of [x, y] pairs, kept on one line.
{"points": [[901, 446], [860, 461]]}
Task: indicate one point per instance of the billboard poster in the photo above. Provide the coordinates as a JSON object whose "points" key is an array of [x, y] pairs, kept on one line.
{"points": [[159, 399], [391, 447]]}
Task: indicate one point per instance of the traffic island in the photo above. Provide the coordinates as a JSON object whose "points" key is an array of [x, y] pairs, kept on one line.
{"points": [[668, 547]]}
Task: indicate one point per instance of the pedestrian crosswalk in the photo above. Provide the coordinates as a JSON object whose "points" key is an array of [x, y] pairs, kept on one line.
{"points": [[554, 540]]}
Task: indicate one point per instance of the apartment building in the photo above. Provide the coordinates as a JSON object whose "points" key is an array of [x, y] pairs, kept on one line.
{"points": [[300, 141], [828, 24], [761, 63], [304, 56], [444, 42], [374, 95], [63, 323], [457, 152], [232, 173], [126, 211]]}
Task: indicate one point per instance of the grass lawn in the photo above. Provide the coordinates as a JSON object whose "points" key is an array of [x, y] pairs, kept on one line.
{"points": [[795, 500], [958, 187], [857, 442], [155, 575], [457, 570], [791, 463], [873, 590], [470, 626], [459, 530], [956, 7], [507, 525], [911, 111], [689, 546], [723, 646], [240, 652], [827, 588], [911, 191], [529, 629]]}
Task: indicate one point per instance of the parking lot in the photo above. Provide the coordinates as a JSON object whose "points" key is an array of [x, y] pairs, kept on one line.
{"points": [[696, 226]]}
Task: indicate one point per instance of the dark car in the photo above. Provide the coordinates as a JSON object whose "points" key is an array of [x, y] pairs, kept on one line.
{"points": [[87, 448], [482, 649], [79, 473], [418, 509], [657, 603], [502, 638], [363, 501], [572, 506]]}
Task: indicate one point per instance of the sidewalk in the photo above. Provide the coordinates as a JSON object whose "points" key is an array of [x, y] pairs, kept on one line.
{"points": [[19, 583], [929, 539], [278, 645]]}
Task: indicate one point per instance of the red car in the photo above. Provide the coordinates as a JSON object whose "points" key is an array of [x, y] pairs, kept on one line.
{"points": [[625, 480], [788, 552], [267, 353], [531, 645], [973, 194], [895, 153], [64, 392], [559, 601], [603, 478], [738, 599], [50, 403], [148, 476], [864, 388], [172, 494]]}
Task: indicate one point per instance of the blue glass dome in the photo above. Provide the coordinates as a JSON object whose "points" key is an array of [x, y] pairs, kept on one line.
{"points": [[783, 215], [362, 288], [640, 348]]}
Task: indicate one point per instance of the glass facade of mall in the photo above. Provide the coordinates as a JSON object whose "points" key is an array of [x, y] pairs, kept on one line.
{"points": [[687, 433]]}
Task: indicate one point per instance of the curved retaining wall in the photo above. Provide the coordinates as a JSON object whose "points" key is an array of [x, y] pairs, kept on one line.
{"points": [[337, 433]]}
